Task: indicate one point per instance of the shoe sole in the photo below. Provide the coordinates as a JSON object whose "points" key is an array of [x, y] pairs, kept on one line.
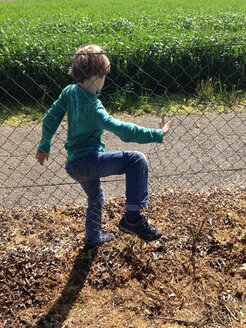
{"points": [[129, 232]]}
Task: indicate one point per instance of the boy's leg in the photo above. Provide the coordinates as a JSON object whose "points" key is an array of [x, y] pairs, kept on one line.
{"points": [[135, 166], [84, 172], [95, 199]]}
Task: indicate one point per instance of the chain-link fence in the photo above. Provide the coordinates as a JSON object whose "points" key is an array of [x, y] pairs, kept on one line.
{"points": [[202, 87]]}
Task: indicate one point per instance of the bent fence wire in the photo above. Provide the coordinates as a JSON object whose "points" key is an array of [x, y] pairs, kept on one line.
{"points": [[202, 87]]}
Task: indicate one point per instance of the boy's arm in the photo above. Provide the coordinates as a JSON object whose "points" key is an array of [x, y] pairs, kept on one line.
{"points": [[51, 121], [129, 132]]}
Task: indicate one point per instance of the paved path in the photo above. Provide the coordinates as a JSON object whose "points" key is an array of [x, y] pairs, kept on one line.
{"points": [[202, 153]]}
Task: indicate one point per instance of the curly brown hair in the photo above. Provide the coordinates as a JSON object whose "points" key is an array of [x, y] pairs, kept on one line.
{"points": [[88, 61]]}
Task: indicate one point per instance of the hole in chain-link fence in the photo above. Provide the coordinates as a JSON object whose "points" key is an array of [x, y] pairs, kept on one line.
{"points": [[202, 87]]}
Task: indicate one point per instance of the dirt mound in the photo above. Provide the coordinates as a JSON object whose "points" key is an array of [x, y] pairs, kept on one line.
{"points": [[194, 276]]}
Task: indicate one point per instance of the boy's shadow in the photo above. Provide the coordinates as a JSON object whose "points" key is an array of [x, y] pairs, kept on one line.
{"points": [[76, 280]]}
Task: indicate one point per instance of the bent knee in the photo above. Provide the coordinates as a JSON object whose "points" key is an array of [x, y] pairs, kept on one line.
{"points": [[140, 157]]}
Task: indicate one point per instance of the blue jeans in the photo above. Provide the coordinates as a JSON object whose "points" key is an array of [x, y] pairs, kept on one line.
{"points": [[88, 171]]}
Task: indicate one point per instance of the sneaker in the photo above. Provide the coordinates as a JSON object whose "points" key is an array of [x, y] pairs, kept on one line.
{"points": [[106, 237], [142, 229]]}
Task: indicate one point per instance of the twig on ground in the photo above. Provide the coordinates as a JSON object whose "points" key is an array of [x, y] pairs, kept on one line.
{"points": [[141, 248], [230, 313], [193, 247], [182, 322]]}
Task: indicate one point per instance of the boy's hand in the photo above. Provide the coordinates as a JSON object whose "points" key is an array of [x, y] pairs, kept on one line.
{"points": [[42, 157], [165, 125]]}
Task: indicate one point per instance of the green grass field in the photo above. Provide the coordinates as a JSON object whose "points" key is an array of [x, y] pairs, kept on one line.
{"points": [[119, 8], [158, 44], [28, 25]]}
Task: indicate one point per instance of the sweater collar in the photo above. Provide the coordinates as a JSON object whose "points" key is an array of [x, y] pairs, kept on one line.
{"points": [[88, 94]]}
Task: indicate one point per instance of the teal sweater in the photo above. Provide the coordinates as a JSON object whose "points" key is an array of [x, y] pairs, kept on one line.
{"points": [[87, 118]]}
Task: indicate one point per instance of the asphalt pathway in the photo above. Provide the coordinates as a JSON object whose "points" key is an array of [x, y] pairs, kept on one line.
{"points": [[201, 153]]}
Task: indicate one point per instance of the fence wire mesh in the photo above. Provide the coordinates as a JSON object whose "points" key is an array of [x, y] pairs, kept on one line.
{"points": [[205, 93]]}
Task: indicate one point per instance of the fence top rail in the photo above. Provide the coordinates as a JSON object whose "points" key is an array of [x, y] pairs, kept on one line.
{"points": [[128, 51]]}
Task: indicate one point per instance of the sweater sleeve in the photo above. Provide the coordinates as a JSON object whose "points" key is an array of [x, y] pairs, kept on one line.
{"points": [[51, 121], [128, 132]]}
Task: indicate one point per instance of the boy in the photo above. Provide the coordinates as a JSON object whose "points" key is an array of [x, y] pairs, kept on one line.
{"points": [[87, 162]]}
